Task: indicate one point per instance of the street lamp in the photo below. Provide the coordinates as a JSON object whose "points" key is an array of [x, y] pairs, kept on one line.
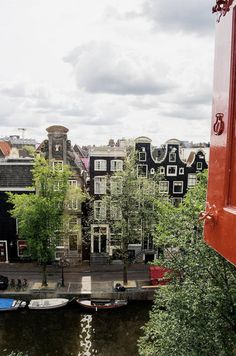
{"points": [[63, 262]]}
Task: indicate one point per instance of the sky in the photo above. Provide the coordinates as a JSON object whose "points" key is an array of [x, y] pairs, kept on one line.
{"points": [[107, 69]]}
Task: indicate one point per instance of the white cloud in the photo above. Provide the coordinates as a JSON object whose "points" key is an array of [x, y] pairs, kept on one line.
{"points": [[139, 67], [112, 69]]}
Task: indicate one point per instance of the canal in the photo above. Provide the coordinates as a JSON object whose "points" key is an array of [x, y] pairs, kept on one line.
{"points": [[71, 332]]}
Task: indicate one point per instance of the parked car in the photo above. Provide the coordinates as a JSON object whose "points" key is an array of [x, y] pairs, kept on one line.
{"points": [[3, 282]]}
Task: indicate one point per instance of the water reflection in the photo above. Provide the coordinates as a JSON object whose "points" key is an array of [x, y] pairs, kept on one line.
{"points": [[70, 332], [86, 336]]}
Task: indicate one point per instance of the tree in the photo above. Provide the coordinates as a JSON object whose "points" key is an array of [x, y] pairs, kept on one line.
{"points": [[196, 314], [40, 215], [130, 199]]}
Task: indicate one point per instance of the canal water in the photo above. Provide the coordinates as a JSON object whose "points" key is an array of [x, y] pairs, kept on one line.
{"points": [[71, 332]]}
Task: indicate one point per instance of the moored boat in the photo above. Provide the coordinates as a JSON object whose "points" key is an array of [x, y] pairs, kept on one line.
{"points": [[102, 304], [7, 304], [47, 303]]}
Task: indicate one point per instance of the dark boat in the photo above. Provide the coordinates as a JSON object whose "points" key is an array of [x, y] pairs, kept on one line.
{"points": [[102, 304]]}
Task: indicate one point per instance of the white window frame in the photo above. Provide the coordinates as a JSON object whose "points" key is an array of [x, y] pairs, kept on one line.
{"points": [[181, 170], [116, 165], [140, 156], [100, 185], [192, 177], [116, 185], [174, 157], [73, 204], [74, 221], [175, 184], [115, 212], [100, 165], [99, 234], [171, 174], [56, 187], [73, 183], [199, 165], [142, 165], [162, 170], [99, 210], [56, 164], [164, 183]]}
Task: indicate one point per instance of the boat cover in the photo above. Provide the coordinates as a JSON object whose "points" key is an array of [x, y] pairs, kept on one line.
{"points": [[6, 303]]}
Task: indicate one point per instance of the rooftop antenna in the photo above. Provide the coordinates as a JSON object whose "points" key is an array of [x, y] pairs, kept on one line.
{"points": [[22, 129]]}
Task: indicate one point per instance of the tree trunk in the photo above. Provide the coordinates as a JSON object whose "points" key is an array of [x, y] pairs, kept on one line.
{"points": [[125, 271], [44, 280]]}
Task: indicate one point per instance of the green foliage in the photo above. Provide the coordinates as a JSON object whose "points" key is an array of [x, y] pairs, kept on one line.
{"points": [[40, 215], [196, 314], [134, 202]]}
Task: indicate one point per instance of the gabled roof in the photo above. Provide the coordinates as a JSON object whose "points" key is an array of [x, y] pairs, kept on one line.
{"points": [[5, 148]]}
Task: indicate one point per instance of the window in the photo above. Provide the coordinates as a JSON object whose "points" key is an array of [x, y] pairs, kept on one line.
{"points": [[73, 183], [100, 185], [56, 187], [176, 201], [142, 170], [192, 179], [22, 249], [172, 157], [72, 204], [99, 210], [73, 222], [116, 165], [115, 212], [142, 156], [181, 171], [100, 165], [99, 238], [162, 170], [164, 187], [152, 171], [116, 185], [178, 186], [58, 165], [171, 170], [199, 165]]}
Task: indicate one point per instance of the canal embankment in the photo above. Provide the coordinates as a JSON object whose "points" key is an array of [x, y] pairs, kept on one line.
{"points": [[79, 282]]}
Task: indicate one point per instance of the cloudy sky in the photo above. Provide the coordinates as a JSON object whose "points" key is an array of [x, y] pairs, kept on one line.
{"points": [[107, 68]]}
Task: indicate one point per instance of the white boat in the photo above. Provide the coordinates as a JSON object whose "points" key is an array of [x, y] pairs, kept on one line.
{"points": [[7, 304], [48, 303]]}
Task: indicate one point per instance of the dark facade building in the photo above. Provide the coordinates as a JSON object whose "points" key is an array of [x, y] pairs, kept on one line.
{"points": [[179, 174], [15, 177], [104, 161]]}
